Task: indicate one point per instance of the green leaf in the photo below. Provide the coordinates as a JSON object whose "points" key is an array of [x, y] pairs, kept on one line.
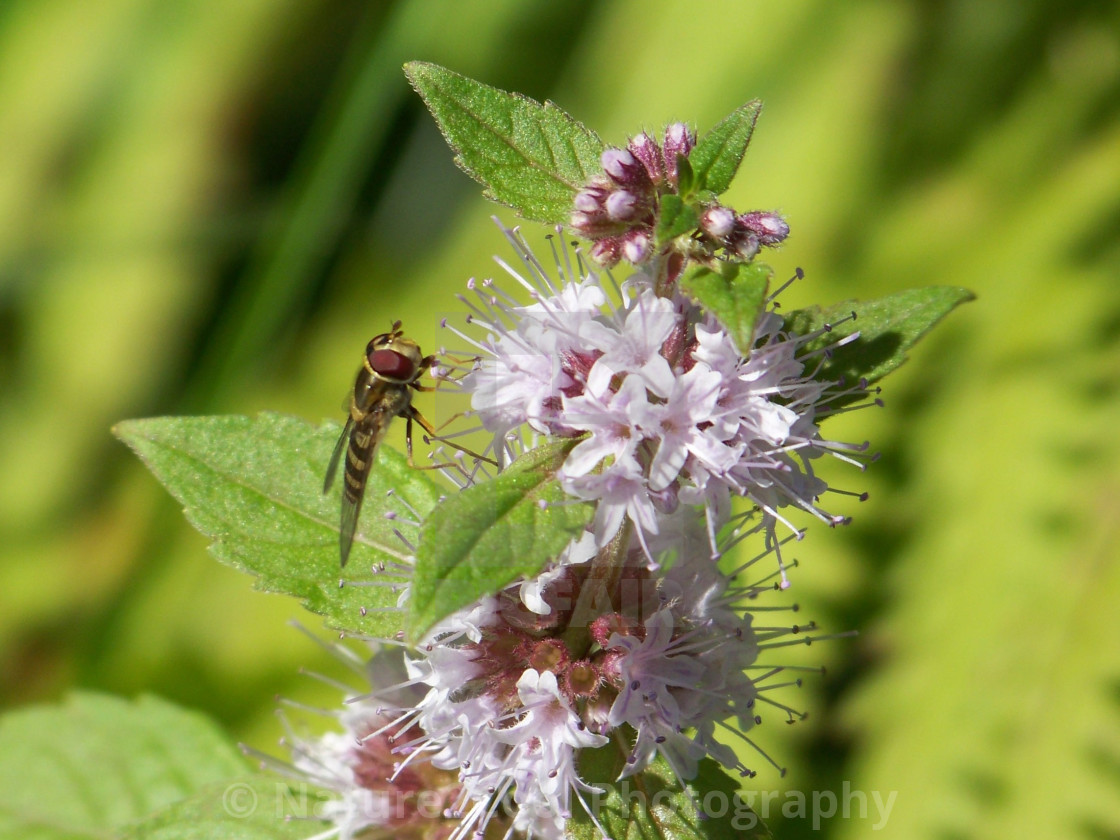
{"points": [[651, 804], [255, 486], [96, 763], [686, 178], [489, 535], [531, 157], [736, 296], [252, 808], [887, 328], [674, 219], [717, 155]]}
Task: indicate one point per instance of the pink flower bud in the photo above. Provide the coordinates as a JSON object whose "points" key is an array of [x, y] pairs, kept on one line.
{"points": [[770, 228], [746, 245], [646, 150], [636, 247], [622, 205], [717, 221], [607, 252], [678, 141], [620, 165], [588, 201], [581, 221]]}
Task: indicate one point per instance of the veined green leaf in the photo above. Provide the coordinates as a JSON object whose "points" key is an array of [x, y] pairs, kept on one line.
{"points": [[489, 535], [717, 154], [887, 327], [250, 808], [735, 296], [97, 763], [651, 804], [529, 156], [255, 486]]}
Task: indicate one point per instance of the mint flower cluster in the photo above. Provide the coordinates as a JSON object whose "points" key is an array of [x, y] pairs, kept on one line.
{"points": [[634, 631], [597, 592], [600, 595], [666, 408]]}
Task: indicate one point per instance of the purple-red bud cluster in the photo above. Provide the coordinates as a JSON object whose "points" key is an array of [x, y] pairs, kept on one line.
{"points": [[618, 210]]}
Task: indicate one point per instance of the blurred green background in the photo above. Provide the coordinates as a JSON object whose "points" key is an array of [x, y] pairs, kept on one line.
{"points": [[210, 206]]}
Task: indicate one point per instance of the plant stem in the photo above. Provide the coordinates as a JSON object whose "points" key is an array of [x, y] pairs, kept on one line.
{"points": [[598, 593]]}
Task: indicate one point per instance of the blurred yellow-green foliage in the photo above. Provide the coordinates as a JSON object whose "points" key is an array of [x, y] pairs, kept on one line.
{"points": [[209, 206]]}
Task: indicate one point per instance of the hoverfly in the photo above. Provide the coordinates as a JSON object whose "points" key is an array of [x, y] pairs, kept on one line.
{"points": [[390, 372]]}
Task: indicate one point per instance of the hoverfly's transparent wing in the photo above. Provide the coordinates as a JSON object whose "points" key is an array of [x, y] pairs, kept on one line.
{"points": [[348, 523], [332, 467]]}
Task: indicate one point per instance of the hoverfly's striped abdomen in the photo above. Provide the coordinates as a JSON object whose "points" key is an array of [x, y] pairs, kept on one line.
{"points": [[382, 391], [359, 456]]}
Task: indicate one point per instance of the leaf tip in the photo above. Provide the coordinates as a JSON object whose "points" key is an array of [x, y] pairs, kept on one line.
{"points": [[753, 107], [126, 431], [414, 70]]}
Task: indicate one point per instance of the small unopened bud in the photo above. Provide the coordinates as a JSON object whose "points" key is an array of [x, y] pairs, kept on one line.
{"points": [[745, 245], [717, 222], [623, 168], [678, 141], [770, 228], [580, 221], [588, 201], [607, 252], [622, 205], [636, 247], [646, 150]]}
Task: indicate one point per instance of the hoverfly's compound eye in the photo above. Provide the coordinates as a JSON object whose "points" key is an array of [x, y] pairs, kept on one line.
{"points": [[391, 364]]}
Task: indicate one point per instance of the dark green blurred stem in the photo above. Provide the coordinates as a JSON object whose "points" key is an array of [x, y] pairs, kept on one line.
{"points": [[600, 586], [311, 215], [315, 208]]}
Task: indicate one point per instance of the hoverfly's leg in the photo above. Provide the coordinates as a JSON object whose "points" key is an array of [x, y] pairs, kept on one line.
{"points": [[413, 414], [408, 446], [426, 364], [458, 415], [408, 439], [458, 361]]}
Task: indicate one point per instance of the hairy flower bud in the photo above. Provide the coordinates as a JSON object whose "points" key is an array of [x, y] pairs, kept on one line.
{"points": [[717, 221], [645, 149], [636, 247], [679, 141], [625, 169], [770, 228], [622, 205]]}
